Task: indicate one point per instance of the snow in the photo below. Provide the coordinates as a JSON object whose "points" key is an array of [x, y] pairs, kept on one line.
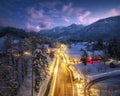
{"points": [[25, 89], [76, 50], [109, 73], [92, 71]]}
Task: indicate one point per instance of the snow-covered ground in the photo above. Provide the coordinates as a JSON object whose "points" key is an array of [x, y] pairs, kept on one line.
{"points": [[76, 50], [92, 71], [26, 87]]}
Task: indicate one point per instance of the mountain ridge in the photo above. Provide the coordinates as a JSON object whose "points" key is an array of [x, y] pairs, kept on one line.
{"points": [[103, 28]]}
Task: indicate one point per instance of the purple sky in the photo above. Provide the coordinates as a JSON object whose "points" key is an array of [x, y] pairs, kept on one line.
{"points": [[38, 15]]}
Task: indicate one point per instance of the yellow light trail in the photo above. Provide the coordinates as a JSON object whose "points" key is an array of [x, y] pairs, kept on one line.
{"points": [[60, 54]]}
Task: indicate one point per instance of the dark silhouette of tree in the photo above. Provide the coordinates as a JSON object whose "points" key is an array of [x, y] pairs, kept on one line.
{"points": [[84, 57], [113, 48], [98, 45]]}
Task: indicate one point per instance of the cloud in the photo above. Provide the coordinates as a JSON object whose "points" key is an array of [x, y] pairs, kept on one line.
{"points": [[113, 12], [46, 15], [66, 13], [64, 10], [37, 28], [82, 17], [66, 19], [68, 9], [37, 20], [86, 18], [33, 28]]}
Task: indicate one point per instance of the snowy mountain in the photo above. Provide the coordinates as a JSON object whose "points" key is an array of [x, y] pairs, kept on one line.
{"points": [[61, 32], [104, 28]]}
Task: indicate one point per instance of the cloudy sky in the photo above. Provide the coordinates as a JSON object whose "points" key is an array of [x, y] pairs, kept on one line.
{"points": [[45, 14]]}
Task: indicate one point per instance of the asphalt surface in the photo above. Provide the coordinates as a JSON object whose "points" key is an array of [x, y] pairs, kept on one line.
{"points": [[64, 85]]}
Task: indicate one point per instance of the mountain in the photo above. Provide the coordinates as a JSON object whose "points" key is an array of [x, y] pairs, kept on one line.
{"points": [[14, 32], [104, 28], [61, 32]]}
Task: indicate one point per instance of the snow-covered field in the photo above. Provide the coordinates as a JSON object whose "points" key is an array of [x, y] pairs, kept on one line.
{"points": [[26, 87], [76, 50], [95, 70]]}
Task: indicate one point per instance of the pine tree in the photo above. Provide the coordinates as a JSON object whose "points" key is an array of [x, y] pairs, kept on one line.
{"points": [[84, 57], [113, 49], [40, 67]]}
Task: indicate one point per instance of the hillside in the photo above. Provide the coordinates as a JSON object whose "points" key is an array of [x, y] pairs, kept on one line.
{"points": [[104, 28], [61, 32], [14, 32]]}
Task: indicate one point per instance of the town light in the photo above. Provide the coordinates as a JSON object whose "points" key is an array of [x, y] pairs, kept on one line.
{"points": [[48, 51], [27, 53], [16, 54]]}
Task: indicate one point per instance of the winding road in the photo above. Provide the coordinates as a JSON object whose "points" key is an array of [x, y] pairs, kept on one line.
{"points": [[91, 83], [61, 82]]}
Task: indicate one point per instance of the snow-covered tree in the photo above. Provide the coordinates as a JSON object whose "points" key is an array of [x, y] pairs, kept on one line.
{"points": [[40, 67]]}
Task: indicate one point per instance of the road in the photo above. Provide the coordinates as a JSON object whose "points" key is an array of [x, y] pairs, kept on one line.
{"points": [[64, 82], [89, 85]]}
